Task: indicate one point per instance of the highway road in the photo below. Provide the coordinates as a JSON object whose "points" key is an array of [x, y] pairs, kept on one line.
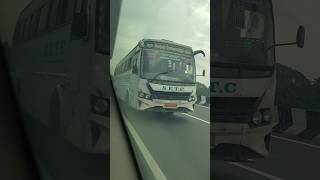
{"points": [[178, 143], [290, 158]]}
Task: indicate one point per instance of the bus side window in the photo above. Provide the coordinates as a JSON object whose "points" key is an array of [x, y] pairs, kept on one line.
{"points": [[116, 71], [38, 20], [17, 32], [25, 28], [49, 15], [134, 66], [33, 25], [71, 9], [62, 12], [53, 14], [21, 30], [130, 63], [43, 18], [121, 68], [30, 35]]}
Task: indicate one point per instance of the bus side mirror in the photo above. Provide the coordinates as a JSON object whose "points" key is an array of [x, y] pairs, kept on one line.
{"points": [[301, 36], [199, 52], [299, 40], [79, 25], [204, 73]]}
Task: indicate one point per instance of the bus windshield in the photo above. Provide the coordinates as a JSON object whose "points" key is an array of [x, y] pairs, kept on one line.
{"points": [[172, 66], [243, 30]]}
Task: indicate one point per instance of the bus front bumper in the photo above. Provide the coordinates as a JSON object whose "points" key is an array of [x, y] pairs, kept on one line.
{"points": [[160, 105], [98, 135], [236, 142]]}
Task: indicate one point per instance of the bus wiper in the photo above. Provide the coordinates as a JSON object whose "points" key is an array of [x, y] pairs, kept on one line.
{"points": [[165, 72]]}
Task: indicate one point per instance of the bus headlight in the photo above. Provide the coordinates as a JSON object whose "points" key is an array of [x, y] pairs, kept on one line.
{"points": [[100, 105], [191, 98], [266, 115], [144, 95], [257, 118]]}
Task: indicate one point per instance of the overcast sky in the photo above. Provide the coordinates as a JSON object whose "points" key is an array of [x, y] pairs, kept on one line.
{"points": [[182, 21], [289, 14]]}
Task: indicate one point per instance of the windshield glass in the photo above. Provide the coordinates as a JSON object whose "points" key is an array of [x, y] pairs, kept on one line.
{"points": [[172, 66], [243, 31]]}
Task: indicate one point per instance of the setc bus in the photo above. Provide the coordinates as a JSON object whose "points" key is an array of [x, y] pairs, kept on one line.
{"points": [[61, 69], [243, 78], [158, 75]]}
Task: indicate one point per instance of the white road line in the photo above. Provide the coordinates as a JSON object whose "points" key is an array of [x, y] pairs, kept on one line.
{"points": [[196, 118], [255, 171], [152, 164], [202, 106], [298, 142]]}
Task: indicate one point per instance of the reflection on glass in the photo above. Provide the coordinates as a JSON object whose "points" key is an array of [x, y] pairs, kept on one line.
{"points": [[154, 74], [246, 31], [62, 85]]}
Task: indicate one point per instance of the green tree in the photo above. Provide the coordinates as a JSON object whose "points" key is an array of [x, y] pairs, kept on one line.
{"points": [[293, 88], [203, 90]]}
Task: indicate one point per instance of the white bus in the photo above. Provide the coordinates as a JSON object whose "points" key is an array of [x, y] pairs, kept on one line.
{"points": [[157, 75], [243, 78], [61, 69]]}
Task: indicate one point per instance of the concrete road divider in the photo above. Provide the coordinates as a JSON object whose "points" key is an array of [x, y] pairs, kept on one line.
{"points": [[299, 122], [148, 166]]}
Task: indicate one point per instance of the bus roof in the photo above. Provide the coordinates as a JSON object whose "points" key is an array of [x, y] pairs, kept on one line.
{"points": [[165, 41], [34, 4], [152, 40]]}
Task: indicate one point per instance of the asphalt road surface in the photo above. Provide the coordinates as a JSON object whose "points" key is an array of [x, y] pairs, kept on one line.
{"points": [[178, 143], [290, 158]]}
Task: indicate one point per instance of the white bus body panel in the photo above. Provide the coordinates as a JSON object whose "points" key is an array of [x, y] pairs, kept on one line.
{"points": [[242, 133]]}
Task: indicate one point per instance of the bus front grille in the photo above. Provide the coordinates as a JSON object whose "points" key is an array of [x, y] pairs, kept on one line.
{"points": [[171, 95], [230, 103], [233, 110], [232, 117]]}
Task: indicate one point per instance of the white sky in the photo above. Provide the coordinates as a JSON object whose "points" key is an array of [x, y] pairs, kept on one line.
{"points": [[182, 21]]}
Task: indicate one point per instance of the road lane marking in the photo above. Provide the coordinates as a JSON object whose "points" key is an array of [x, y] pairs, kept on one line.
{"points": [[255, 171], [298, 142], [196, 118], [152, 164]]}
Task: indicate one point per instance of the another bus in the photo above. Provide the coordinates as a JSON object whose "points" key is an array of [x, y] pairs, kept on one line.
{"points": [[158, 75], [60, 67], [243, 78]]}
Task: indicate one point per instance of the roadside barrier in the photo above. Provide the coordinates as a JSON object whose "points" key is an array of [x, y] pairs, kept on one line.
{"points": [[299, 122]]}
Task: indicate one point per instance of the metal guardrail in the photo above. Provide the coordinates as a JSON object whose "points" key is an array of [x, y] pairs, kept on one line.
{"points": [[304, 123]]}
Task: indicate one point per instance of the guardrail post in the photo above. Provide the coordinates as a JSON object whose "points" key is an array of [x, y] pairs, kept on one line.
{"points": [[285, 119], [313, 125]]}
